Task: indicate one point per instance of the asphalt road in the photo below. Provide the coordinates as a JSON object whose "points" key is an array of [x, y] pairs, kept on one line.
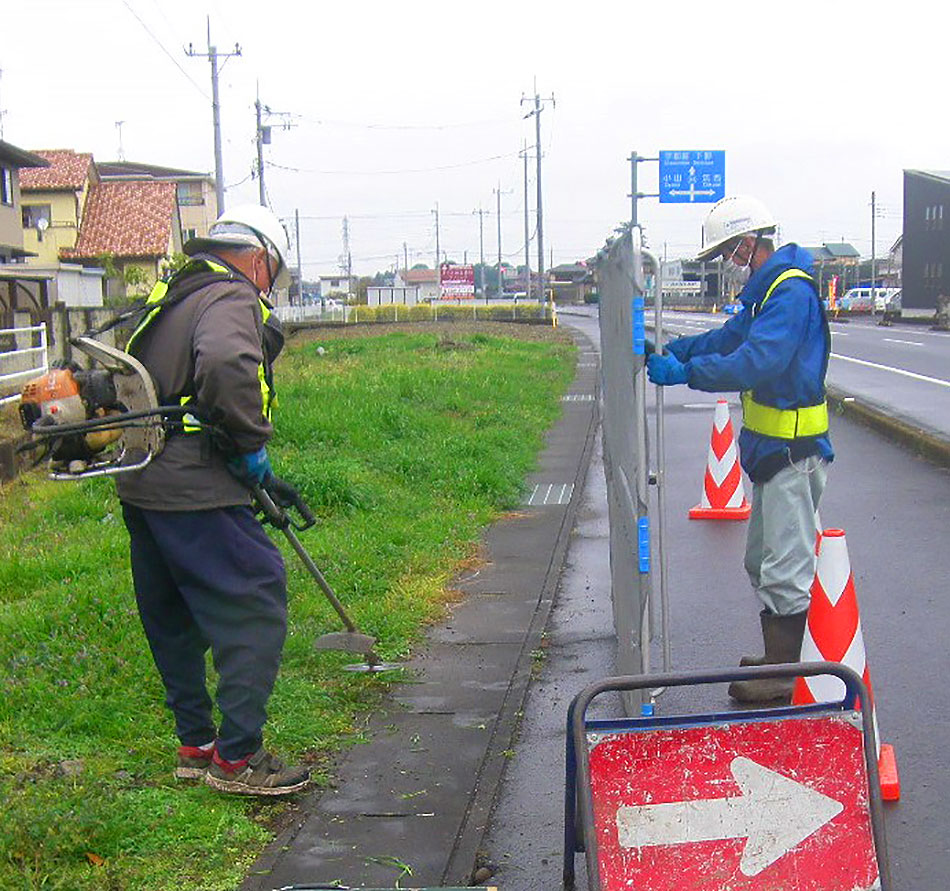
{"points": [[895, 509], [902, 369]]}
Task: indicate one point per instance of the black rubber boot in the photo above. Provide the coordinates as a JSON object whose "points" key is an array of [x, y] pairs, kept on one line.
{"points": [[782, 636]]}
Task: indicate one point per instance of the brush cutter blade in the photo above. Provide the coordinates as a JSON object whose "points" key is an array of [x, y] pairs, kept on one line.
{"points": [[347, 641], [373, 667]]}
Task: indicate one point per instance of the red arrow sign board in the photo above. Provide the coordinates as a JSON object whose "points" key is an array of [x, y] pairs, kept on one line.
{"points": [[760, 806]]}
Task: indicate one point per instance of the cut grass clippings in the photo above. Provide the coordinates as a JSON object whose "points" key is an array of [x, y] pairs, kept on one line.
{"points": [[406, 445]]}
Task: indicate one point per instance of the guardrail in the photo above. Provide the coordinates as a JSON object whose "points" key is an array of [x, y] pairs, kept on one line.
{"points": [[26, 362]]}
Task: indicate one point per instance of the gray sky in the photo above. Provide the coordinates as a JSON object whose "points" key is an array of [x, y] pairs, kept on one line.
{"points": [[397, 106]]}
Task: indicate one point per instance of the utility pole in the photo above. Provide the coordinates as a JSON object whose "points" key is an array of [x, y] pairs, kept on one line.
{"points": [[118, 126], [537, 147], [213, 57], [480, 285], [260, 139], [873, 289], [299, 264], [501, 277], [527, 234], [405, 256], [438, 249], [346, 260]]}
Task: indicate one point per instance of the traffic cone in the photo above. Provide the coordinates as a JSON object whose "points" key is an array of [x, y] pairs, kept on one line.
{"points": [[833, 634], [723, 497]]}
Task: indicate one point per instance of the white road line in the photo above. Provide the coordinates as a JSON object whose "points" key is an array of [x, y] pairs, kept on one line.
{"points": [[911, 374], [553, 494], [839, 333], [908, 342]]}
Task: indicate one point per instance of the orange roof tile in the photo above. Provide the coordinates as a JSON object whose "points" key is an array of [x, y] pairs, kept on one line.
{"points": [[420, 276], [128, 218], [67, 170]]}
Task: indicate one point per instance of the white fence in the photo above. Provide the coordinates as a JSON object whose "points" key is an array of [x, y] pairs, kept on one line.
{"points": [[22, 360]]}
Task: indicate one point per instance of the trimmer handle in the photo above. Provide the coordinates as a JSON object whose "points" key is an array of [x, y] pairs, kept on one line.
{"points": [[275, 497]]}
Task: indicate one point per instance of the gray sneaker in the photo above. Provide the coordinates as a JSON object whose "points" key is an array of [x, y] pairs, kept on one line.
{"points": [[260, 774]]}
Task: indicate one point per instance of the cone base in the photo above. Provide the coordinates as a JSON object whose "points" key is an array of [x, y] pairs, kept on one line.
{"points": [[887, 768], [721, 513]]}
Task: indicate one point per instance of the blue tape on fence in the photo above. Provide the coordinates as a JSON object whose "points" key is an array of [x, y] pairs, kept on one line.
{"points": [[643, 543], [639, 327]]}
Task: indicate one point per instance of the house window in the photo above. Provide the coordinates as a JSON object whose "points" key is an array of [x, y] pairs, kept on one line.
{"points": [[34, 213], [6, 185], [189, 194]]}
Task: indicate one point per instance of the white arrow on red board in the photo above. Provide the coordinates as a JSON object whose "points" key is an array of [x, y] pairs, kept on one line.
{"points": [[773, 812]]}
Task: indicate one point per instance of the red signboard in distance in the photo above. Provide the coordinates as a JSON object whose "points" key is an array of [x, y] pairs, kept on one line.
{"points": [[759, 806], [457, 281]]}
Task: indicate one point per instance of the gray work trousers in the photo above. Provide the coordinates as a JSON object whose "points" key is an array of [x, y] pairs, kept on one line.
{"points": [[780, 547]]}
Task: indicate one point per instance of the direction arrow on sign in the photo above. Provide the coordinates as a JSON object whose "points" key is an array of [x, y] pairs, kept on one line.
{"points": [[755, 806], [773, 812]]}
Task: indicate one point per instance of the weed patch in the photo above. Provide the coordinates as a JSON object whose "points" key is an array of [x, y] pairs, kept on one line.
{"points": [[405, 447]]}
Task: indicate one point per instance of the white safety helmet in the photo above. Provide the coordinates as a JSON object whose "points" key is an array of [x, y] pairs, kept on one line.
{"points": [[248, 224], [733, 217]]}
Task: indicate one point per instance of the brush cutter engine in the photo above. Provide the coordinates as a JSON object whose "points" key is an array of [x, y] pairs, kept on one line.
{"points": [[92, 422]]}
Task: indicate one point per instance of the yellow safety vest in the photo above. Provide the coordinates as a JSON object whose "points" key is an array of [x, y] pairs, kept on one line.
{"points": [[157, 300], [783, 423]]}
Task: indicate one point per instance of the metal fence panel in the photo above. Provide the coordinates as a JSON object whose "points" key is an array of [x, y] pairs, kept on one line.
{"points": [[23, 356], [623, 410]]}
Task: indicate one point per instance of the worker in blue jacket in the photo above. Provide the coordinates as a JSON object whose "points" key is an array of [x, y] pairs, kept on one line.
{"points": [[775, 352]]}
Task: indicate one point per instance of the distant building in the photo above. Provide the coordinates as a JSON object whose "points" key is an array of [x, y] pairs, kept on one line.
{"points": [[570, 282], [197, 200], [21, 288], [426, 280], [836, 259], [54, 199], [925, 248]]}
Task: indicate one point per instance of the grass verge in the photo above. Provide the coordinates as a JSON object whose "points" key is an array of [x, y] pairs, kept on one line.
{"points": [[406, 445]]}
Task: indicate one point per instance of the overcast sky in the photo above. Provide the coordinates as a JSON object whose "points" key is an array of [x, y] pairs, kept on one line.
{"points": [[396, 107]]}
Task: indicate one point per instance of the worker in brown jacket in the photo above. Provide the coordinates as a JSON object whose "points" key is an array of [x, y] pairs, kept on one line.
{"points": [[206, 574]]}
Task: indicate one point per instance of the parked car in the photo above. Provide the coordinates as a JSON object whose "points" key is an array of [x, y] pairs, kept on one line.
{"points": [[732, 308], [867, 299]]}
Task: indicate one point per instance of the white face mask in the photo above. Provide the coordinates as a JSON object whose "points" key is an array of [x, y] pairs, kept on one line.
{"points": [[735, 275]]}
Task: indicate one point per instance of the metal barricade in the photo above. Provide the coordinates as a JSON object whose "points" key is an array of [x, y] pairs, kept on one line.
{"points": [[623, 286], [21, 362]]}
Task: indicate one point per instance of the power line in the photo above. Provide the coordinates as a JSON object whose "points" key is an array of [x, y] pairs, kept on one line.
{"points": [[162, 47], [365, 126], [391, 172]]}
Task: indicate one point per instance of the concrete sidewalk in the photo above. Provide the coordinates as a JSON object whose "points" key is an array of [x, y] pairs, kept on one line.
{"points": [[421, 790]]}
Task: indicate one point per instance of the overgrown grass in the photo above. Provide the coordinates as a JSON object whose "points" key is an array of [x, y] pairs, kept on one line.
{"points": [[406, 446]]}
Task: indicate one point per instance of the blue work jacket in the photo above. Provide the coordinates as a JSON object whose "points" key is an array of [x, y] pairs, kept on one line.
{"points": [[778, 349]]}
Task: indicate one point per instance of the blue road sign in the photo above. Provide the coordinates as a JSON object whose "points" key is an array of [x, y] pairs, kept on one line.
{"points": [[692, 177]]}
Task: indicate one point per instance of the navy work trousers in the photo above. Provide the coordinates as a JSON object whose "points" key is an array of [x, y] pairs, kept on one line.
{"points": [[211, 578]]}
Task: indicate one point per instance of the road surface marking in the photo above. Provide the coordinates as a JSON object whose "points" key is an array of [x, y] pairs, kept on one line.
{"points": [[839, 333], [911, 374], [773, 811], [578, 397], [551, 494], [908, 342]]}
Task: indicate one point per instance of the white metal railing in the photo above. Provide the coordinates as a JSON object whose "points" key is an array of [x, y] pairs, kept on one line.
{"points": [[32, 360]]}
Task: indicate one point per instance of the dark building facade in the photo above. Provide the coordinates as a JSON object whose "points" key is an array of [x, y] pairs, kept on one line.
{"points": [[926, 258]]}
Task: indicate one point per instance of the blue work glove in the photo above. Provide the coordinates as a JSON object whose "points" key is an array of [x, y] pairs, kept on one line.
{"points": [[252, 467], [666, 370]]}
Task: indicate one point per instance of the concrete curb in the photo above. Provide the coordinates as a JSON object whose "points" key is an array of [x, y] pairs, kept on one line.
{"points": [[927, 443]]}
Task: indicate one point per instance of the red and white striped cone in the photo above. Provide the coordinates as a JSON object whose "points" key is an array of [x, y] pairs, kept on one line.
{"points": [[723, 496], [833, 634]]}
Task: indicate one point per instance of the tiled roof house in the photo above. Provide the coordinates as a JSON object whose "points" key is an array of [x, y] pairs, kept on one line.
{"points": [[53, 199]]}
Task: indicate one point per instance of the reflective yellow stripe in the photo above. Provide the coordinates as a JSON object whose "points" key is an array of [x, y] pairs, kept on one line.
{"points": [[781, 277], [784, 423]]}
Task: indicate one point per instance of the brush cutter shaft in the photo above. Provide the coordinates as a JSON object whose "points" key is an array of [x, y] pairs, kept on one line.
{"points": [[314, 570]]}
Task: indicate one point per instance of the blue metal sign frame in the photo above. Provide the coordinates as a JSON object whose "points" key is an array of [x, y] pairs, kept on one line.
{"points": [[692, 177]]}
